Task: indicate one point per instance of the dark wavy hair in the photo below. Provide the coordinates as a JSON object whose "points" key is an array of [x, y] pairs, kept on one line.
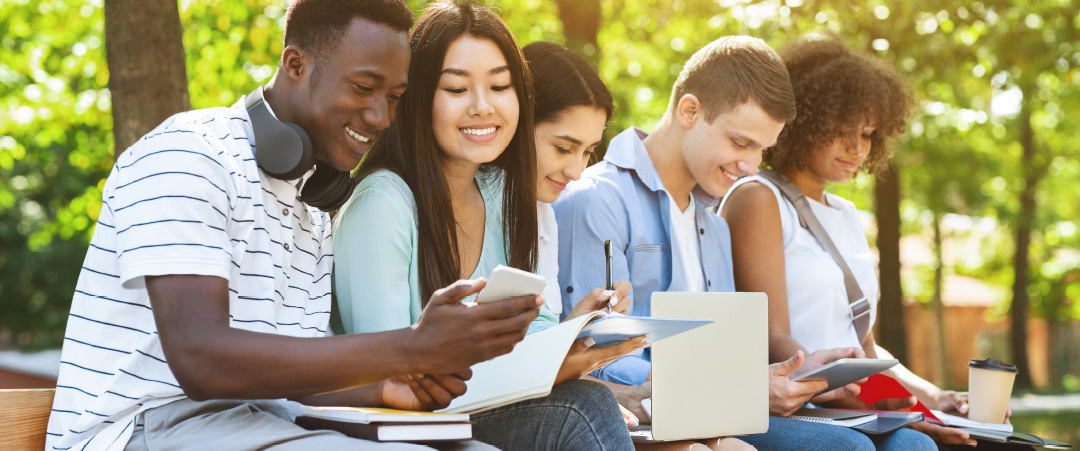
{"points": [[834, 90], [563, 79], [408, 146]]}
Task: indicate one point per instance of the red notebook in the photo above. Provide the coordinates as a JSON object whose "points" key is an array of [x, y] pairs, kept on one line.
{"points": [[880, 386]]}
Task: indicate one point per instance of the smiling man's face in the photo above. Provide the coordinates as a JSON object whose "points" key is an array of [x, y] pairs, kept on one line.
{"points": [[729, 147], [353, 91]]}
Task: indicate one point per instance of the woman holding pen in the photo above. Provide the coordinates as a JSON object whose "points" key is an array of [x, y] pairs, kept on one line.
{"points": [[572, 109]]}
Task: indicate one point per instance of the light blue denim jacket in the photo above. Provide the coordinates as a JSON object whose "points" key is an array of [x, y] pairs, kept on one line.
{"points": [[623, 200]]}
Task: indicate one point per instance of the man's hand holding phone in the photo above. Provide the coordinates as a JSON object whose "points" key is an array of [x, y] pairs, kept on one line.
{"points": [[454, 336]]}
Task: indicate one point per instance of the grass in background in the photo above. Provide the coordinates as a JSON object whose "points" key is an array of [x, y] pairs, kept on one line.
{"points": [[1060, 426]]}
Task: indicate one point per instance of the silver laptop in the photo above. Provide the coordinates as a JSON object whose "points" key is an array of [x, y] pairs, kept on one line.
{"points": [[712, 381]]}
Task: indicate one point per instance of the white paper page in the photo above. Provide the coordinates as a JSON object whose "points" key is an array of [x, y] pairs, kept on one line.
{"points": [[374, 415], [613, 329], [527, 370], [961, 422]]}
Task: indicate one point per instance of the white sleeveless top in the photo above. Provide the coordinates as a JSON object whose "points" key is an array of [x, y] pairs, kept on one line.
{"points": [[817, 298]]}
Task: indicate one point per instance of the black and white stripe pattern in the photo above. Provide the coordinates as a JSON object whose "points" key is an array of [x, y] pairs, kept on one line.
{"points": [[188, 198]]}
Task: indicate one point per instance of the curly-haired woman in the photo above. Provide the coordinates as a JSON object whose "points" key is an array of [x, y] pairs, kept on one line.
{"points": [[848, 107]]}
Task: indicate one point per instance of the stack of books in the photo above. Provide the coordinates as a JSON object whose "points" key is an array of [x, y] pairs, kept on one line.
{"points": [[387, 425]]}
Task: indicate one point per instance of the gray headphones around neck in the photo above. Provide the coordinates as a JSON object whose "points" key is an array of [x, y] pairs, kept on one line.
{"points": [[283, 151]]}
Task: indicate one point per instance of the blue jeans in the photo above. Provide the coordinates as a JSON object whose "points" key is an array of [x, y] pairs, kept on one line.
{"points": [[787, 434], [577, 415], [903, 439]]}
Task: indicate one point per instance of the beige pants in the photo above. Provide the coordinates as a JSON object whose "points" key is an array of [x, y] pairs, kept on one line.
{"points": [[250, 425]]}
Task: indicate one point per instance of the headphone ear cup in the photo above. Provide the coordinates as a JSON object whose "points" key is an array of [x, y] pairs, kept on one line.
{"points": [[327, 189], [277, 142], [279, 157]]}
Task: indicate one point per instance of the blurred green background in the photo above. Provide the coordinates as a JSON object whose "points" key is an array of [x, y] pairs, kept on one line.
{"points": [[989, 160]]}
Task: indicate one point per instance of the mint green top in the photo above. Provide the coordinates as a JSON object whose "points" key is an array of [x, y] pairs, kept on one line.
{"points": [[376, 274]]}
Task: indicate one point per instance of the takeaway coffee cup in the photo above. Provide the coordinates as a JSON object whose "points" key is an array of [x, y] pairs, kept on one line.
{"points": [[990, 384]]}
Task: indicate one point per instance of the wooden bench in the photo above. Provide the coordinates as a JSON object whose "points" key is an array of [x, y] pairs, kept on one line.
{"points": [[24, 415]]}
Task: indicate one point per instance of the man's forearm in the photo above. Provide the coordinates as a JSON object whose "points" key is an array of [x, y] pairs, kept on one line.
{"points": [[233, 363], [212, 360]]}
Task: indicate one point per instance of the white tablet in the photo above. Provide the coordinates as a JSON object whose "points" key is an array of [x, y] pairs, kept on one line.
{"points": [[844, 371], [506, 282]]}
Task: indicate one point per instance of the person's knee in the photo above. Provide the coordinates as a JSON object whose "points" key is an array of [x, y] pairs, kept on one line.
{"points": [[844, 438], [786, 433], [907, 439], [592, 403], [586, 396]]}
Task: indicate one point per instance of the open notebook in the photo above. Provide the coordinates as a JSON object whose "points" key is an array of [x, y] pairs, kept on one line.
{"points": [[529, 371], [961, 422]]}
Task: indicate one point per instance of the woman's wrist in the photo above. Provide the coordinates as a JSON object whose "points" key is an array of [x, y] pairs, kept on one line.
{"points": [[927, 393]]}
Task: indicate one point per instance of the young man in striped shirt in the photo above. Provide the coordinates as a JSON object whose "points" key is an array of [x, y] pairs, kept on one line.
{"points": [[207, 279]]}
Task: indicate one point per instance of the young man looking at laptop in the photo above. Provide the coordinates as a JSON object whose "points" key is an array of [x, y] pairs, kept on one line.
{"points": [[651, 197], [205, 294]]}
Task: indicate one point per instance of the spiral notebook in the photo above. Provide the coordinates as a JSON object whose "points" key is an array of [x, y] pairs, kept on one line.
{"points": [[845, 418], [881, 421]]}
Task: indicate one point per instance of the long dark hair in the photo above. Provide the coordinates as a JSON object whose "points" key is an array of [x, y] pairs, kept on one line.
{"points": [[408, 147], [563, 79]]}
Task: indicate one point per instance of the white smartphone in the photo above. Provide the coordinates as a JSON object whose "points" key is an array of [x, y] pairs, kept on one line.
{"points": [[841, 372], [646, 405], [506, 282]]}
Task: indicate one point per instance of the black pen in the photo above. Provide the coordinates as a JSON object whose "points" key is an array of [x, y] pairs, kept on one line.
{"points": [[607, 257]]}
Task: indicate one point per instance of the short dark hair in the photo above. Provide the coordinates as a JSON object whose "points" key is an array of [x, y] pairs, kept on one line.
{"points": [[834, 90], [563, 79], [316, 26], [732, 71]]}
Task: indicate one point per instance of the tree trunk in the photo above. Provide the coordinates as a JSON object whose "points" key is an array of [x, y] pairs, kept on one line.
{"points": [[147, 78], [891, 331], [1018, 312], [941, 350], [581, 23]]}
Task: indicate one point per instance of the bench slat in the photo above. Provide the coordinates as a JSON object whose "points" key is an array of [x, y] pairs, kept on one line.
{"points": [[24, 416]]}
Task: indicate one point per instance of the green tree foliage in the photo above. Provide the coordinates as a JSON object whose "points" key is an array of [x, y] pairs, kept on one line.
{"points": [[55, 151], [971, 65]]}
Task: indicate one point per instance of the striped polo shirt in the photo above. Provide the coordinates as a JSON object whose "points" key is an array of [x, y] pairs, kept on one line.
{"points": [[187, 198]]}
